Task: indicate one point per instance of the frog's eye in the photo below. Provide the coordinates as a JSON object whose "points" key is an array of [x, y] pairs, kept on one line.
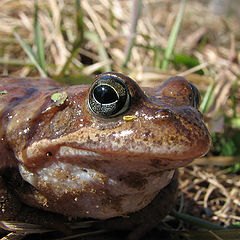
{"points": [[108, 97], [195, 96]]}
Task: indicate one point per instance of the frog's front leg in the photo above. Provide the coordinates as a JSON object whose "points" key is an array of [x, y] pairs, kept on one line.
{"points": [[9, 204], [11, 209]]}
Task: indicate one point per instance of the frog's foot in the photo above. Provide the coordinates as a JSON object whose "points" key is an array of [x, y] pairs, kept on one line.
{"points": [[9, 205], [145, 220]]}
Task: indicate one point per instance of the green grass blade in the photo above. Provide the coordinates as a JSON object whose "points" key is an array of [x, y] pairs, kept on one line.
{"points": [[79, 38], [79, 20], [207, 99], [15, 62], [234, 98], [210, 235], [135, 14], [101, 49], [38, 39], [30, 54], [234, 122], [173, 36], [196, 221]]}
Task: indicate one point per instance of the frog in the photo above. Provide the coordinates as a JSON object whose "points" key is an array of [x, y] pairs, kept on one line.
{"points": [[107, 151]]}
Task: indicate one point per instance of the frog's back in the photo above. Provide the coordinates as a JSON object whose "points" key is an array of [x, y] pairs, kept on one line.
{"points": [[17, 82], [15, 90]]}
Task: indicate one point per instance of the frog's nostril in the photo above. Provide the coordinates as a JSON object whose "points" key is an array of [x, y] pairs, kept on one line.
{"points": [[49, 154]]}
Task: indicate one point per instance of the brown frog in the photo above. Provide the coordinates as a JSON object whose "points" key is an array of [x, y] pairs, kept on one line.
{"points": [[104, 151]]}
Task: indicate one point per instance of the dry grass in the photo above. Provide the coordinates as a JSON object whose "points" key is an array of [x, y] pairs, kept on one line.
{"points": [[110, 21], [213, 193]]}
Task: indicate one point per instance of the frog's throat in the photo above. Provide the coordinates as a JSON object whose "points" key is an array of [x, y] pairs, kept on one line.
{"points": [[97, 193]]}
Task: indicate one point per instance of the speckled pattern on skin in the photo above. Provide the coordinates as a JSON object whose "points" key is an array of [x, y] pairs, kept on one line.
{"points": [[79, 163]]}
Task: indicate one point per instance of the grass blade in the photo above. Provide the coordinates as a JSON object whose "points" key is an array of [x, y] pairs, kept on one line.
{"points": [[38, 39], [173, 36], [79, 38], [210, 235], [20, 227], [207, 99], [234, 98], [234, 122], [79, 20], [101, 49], [136, 10], [30, 54], [196, 221]]}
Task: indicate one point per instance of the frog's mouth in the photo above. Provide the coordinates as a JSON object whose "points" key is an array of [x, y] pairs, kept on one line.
{"points": [[42, 153]]}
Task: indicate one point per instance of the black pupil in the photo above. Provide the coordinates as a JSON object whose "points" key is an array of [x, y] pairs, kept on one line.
{"points": [[105, 94]]}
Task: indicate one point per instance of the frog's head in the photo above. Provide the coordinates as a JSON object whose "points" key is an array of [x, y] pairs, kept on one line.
{"points": [[114, 119], [109, 148], [161, 126]]}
